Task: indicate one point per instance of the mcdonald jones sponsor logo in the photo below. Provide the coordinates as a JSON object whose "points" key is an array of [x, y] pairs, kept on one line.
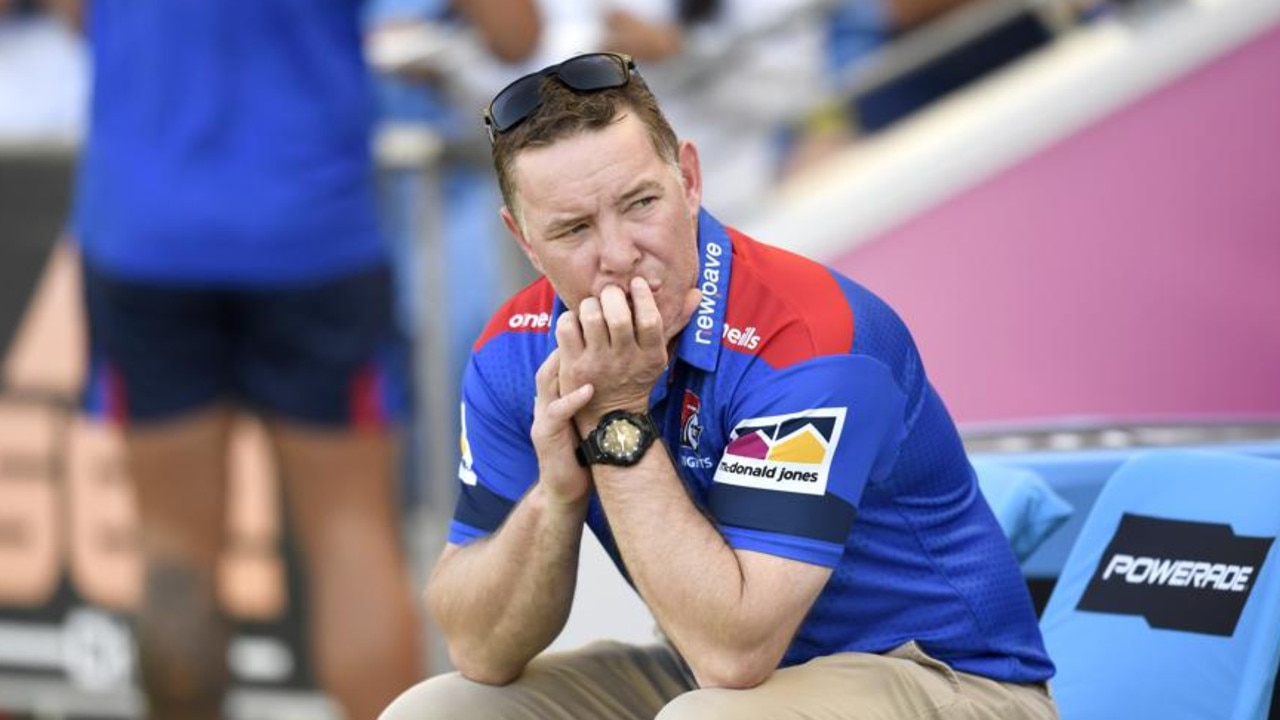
{"points": [[785, 452]]}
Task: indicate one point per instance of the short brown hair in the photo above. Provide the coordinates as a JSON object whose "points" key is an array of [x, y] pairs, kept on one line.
{"points": [[565, 112]]}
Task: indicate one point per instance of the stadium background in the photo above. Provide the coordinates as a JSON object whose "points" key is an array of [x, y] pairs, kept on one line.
{"points": [[1086, 243]]}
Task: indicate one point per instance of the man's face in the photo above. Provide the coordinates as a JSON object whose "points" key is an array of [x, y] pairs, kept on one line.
{"points": [[601, 207]]}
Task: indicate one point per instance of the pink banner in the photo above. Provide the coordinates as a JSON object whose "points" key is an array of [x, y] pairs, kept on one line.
{"points": [[1131, 271]]}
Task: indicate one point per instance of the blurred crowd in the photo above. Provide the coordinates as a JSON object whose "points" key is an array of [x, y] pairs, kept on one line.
{"points": [[750, 82], [758, 85]]}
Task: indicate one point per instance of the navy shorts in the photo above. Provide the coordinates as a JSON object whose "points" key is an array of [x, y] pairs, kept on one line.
{"points": [[325, 354]]}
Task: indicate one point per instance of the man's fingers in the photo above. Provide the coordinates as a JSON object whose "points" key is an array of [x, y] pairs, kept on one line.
{"points": [[595, 334], [547, 379], [617, 316], [556, 408], [648, 319], [562, 409], [569, 335]]}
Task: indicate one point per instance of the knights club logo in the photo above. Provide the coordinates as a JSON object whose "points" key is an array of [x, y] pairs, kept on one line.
{"points": [[690, 420]]}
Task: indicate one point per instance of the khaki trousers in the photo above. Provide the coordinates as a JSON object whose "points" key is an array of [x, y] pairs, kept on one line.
{"points": [[613, 681]]}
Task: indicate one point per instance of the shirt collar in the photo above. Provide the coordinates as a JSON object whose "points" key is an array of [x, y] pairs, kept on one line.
{"points": [[700, 339]]}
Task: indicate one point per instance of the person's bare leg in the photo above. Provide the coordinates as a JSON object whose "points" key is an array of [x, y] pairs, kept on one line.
{"points": [[365, 631], [178, 470]]}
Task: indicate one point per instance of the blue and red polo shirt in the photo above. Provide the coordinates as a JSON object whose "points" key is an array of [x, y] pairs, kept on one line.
{"points": [[799, 416]]}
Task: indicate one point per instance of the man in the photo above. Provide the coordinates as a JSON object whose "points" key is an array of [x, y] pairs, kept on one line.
{"points": [[750, 436]]}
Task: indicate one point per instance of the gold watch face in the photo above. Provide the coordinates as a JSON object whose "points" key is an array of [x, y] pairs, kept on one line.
{"points": [[620, 439]]}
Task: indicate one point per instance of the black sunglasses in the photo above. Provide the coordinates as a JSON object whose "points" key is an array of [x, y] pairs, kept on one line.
{"points": [[584, 73]]}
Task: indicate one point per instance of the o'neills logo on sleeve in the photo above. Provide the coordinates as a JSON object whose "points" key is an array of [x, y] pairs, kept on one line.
{"points": [[1178, 575], [704, 320], [747, 338], [791, 452], [529, 321]]}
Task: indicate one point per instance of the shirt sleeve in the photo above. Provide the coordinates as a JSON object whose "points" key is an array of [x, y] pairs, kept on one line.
{"points": [[804, 443], [498, 462]]}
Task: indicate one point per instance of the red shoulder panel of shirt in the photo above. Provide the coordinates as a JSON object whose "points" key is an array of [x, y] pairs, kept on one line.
{"points": [[783, 307], [527, 311]]}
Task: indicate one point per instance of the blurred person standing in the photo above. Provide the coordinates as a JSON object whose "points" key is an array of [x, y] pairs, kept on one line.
{"points": [[226, 215]]}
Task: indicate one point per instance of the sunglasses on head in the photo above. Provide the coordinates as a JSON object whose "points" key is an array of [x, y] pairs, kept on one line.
{"points": [[584, 73]]}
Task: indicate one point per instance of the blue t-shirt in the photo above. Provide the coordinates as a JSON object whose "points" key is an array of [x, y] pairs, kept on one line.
{"points": [[229, 142], [800, 419]]}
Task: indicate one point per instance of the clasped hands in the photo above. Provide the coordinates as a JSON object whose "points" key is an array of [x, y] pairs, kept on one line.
{"points": [[611, 351]]}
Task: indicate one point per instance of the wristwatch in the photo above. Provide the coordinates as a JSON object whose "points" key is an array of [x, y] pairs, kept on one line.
{"points": [[621, 438]]}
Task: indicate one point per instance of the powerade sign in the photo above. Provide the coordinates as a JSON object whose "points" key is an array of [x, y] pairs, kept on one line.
{"points": [[1179, 575]]}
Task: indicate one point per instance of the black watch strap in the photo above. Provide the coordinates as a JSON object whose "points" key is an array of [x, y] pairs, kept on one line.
{"points": [[593, 448], [585, 454]]}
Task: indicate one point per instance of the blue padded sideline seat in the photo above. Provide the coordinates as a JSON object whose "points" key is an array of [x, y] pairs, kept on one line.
{"points": [[1029, 511], [1169, 603]]}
